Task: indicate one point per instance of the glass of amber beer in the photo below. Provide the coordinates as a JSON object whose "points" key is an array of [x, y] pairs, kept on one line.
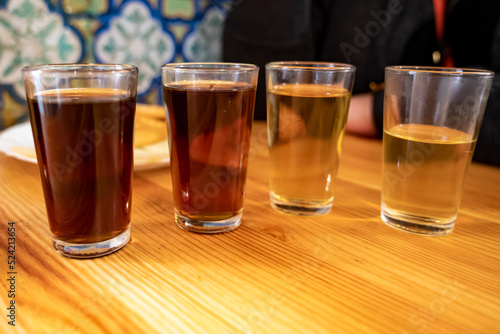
{"points": [[82, 117], [210, 110], [432, 118], [307, 107]]}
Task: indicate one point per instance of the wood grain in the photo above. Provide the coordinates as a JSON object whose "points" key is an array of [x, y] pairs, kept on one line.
{"points": [[345, 272]]}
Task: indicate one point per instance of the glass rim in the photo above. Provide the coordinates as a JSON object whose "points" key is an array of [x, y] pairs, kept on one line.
{"points": [[210, 67], [311, 66], [71, 67], [436, 70]]}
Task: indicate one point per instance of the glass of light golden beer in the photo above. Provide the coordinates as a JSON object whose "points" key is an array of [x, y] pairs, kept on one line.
{"points": [[432, 117], [307, 106]]}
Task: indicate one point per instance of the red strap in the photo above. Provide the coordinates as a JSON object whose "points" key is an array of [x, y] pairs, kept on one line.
{"points": [[440, 16]]}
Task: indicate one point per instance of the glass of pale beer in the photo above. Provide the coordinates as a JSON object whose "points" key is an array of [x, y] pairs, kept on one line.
{"points": [[432, 117], [307, 106]]}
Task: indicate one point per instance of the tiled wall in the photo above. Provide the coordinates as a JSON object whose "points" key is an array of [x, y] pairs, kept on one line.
{"points": [[145, 33]]}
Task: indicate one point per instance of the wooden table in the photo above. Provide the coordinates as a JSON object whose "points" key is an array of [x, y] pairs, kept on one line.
{"points": [[345, 272]]}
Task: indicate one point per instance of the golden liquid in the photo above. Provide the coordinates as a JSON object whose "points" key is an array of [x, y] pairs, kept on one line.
{"points": [[305, 124], [424, 171]]}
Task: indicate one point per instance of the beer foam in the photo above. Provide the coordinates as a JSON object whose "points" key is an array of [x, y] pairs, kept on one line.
{"points": [[81, 92], [429, 134], [309, 90], [209, 85]]}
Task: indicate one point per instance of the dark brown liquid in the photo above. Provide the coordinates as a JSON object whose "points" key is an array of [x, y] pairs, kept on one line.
{"points": [[84, 144], [210, 127]]}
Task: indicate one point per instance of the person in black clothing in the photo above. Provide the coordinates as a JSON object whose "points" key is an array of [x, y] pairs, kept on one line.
{"points": [[371, 35], [473, 34]]}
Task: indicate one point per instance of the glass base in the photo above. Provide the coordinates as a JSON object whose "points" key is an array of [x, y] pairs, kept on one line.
{"points": [[208, 226], [297, 207], [416, 224], [88, 251]]}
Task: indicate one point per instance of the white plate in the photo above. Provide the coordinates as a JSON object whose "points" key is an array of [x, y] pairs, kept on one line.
{"points": [[17, 141]]}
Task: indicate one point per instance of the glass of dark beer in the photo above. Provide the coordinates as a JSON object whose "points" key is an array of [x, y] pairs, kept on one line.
{"points": [[82, 117], [210, 109]]}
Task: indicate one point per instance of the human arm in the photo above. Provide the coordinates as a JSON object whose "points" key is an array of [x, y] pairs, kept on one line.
{"points": [[360, 120]]}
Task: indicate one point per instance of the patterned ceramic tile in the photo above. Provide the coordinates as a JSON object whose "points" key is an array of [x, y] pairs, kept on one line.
{"points": [[179, 9], [204, 43], [32, 33], [179, 30], [133, 35], [146, 33], [94, 7]]}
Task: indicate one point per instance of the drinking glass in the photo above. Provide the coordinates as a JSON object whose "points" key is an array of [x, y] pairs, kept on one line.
{"points": [[82, 117], [307, 106], [432, 118], [210, 109]]}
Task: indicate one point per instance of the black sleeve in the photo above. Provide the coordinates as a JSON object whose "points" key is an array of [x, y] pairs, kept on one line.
{"points": [[260, 31], [473, 34], [488, 143], [368, 34]]}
